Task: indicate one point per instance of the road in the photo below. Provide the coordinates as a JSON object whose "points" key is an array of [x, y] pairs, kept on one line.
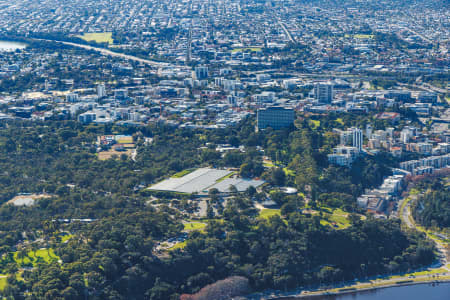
{"points": [[426, 87], [408, 220], [107, 52], [351, 288], [418, 34], [441, 271], [289, 35]]}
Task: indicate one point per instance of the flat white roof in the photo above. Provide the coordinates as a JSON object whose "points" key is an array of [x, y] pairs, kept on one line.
{"points": [[204, 179]]}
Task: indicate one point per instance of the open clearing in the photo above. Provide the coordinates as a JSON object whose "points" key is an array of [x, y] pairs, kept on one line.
{"points": [[98, 37], [192, 225], [104, 155], [27, 200]]}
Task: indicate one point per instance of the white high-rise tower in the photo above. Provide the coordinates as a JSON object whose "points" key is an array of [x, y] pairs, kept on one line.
{"points": [[357, 138], [101, 91]]}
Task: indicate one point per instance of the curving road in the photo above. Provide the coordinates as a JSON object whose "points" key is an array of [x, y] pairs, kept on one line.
{"points": [[106, 52], [408, 220]]}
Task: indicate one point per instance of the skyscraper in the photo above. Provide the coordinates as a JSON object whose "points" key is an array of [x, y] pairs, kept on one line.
{"points": [[357, 138]]}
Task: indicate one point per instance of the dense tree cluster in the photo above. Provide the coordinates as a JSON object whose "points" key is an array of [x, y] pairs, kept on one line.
{"points": [[115, 256], [433, 208]]}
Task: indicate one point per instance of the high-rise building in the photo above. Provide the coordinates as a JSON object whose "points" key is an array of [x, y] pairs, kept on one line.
{"points": [[72, 97], [201, 72], [101, 91], [275, 117], [323, 92], [369, 131], [357, 138]]}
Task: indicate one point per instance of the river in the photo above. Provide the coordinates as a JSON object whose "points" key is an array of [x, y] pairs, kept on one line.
{"points": [[11, 46], [424, 291]]}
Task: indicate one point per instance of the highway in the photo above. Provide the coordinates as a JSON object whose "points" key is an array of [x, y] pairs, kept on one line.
{"points": [[289, 35], [107, 52]]}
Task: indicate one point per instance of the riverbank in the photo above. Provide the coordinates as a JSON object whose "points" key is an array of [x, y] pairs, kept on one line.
{"points": [[436, 273], [349, 290], [414, 291]]}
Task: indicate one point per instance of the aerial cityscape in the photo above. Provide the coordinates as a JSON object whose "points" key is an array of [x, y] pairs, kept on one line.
{"points": [[216, 149]]}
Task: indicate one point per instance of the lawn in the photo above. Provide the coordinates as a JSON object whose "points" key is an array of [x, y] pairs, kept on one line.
{"points": [[98, 37], [269, 212], [268, 164], [2, 282], [337, 216], [189, 226], [340, 121], [180, 245], [314, 124], [288, 172], [46, 255], [182, 173], [421, 273], [65, 237], [254, 49], [225, 177], [414, 191], [363, 36]]}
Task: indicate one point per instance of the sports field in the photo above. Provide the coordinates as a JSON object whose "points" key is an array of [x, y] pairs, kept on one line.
{"points": [[98, 37]]}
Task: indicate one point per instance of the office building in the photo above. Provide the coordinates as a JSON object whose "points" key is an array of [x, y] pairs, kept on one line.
{"points": [[201, 72], [323, 92], [101, 91], [72, 97], [275, 117]]}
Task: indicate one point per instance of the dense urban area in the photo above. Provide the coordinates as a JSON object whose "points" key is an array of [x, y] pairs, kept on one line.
{"points": [[195, 150]]}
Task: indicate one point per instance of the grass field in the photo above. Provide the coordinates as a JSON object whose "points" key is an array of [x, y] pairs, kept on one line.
{"points": [[2, 282], [98, 37], [420, 273], [178, 246], [225, 177], [314, 124], [104, 155], [189, 226], [45, 255], [269, 212], [254, 49], [340, 121], [336, 216], [361, 36], [65, 237]]}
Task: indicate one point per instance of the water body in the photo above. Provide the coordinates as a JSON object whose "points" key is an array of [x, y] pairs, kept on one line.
{"points": [[426, 291], [11, 46]]}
